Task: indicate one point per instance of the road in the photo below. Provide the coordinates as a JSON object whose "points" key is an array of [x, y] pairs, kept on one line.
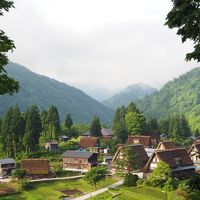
{"points": [[87, 196]]}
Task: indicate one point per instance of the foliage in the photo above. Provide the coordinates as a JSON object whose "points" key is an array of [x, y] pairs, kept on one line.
{"points": [[7, 83], [128, 161], [152, 124], [135, 123], [95, 128], [130, 180], [185, 16], [180, 96], [19, 185], [182, 192], [160, 175], [194, 183], [18, 173], [95, 175], [68, 121]]}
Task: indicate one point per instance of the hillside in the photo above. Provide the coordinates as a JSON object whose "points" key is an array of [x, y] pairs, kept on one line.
{"points": [[43, 92], [182, 95], [131, 93]]}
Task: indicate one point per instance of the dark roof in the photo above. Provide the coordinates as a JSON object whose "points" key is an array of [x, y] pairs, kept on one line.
{"points": [[143, 139], [169, 156], [77, 154], [167, 145], [104, 132], [88, 141], [36, 166], [7, 161], [138, 149]]}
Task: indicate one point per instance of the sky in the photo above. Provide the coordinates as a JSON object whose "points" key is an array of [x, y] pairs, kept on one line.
{"points": [[98, 46]]}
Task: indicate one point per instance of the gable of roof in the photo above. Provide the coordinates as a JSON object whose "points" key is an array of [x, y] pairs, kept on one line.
{"points": [[88, 141], [78, 154], [36, 166], [138, 149], [106, 132], [167, 145], [195, 146], [143, 139]]}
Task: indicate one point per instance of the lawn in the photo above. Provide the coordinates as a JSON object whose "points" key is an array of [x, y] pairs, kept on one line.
{"points": [[134, 193], [51, 190]]}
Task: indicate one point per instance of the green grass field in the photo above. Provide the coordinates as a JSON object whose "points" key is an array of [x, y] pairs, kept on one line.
{"points": [[51, 190], [135, 193]]}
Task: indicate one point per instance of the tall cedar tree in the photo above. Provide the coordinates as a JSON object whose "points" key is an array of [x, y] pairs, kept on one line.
{"points": [[68, 121], [152, 124], [54, 122], [185, 16], [95, 128], [33, 128], [135, 123], [132, 108], [45, 122], [119, 126], [12, 132], [7, 84]]}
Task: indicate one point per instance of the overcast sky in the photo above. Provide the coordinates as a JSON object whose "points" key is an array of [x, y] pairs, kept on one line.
{"points": [[99, 46]]}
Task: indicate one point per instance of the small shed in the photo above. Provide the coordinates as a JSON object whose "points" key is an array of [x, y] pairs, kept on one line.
{"points": [[6, 167], [52, 146]]}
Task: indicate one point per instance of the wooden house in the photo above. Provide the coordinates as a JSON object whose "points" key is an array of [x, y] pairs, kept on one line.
{"points": [[139, 151], [6, 167], [178, 160], [194, 153], [139, 139], [52, 146], [89, 141], [79, 160], [166, 145], [37, 168]]}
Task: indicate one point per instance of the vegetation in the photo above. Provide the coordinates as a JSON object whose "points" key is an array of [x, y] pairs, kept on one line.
{"points": [[180, 96], [7, 84], [95, 128], [185, 16], [95, 175], [130, 180], [44, 92]]}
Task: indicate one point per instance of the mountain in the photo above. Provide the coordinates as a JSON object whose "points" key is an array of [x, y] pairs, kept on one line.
{"points": [[131, 93], [182, 95], [43, 92]]}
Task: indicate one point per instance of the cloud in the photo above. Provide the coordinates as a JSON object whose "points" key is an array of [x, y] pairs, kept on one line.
{"points": [[103, 45]]}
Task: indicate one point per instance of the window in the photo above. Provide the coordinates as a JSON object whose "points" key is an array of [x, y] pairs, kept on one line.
{"points": [[177, 161]]}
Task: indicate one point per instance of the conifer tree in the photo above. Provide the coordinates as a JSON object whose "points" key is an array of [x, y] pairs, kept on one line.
{"points": [[132, 108], [33, 128], [68, 121], [95, 128], [152, 124]]}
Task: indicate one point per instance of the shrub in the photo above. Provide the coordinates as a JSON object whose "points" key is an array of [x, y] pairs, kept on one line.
{"points": [[19, 185], [18, 173], [130, 180], [182, 192], [194, 183], [170, 185], [140, 181]]}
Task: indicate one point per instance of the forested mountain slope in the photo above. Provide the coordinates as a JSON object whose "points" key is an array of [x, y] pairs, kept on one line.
{"points": [[131, 93], [182, 95], [43, 92]]}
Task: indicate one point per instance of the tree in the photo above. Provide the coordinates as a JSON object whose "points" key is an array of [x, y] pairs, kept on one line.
{"points": [[33, 128], [185, 15], [132, 108], [7, 84], [68, 121], [152, 124], [53, 122], [160, 175], [135, 123], [129, 160], [194, 183], [95, 175], [95, 128]]}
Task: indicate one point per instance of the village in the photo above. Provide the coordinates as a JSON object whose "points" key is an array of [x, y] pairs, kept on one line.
{"points": [[150, 150]]}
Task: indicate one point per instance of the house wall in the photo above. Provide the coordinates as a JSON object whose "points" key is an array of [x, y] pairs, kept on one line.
{"points": [[76, 163]]}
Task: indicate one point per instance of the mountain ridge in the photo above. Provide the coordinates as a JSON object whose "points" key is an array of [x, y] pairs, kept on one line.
{"points": [[44, 91]]}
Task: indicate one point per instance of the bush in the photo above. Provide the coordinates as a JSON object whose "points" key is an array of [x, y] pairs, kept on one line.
{"points": [[18, 173], [182, 192], [140, 181], [130, 180], [170, 185], [19, 185], [194, 183]]}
